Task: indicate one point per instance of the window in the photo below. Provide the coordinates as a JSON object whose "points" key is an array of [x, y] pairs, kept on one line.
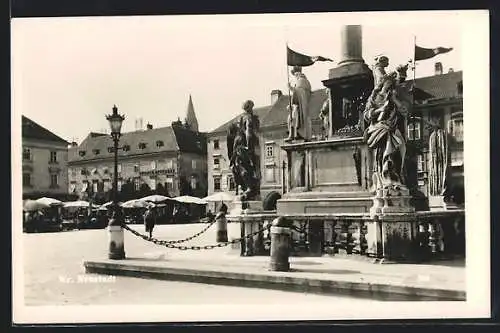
{"points": [[193, 164], [82, 153], [53, 180], [136, 168], [126, 147], [159, 143], [230, 183], [420, 163], [26, 154], [119, 185], [457, 158], [456, 127], [414, 131], [53, 156], [216, 144], [105, 170], [137, 184], [170, 164], [84, 172], [142, 145], [216, 163], [85, 186], [107, 185], [119, 168], [26, 179], [73, 172], [152, 183], [94, 186], [269, 150], [216, 183], [269, 175], [194, 182], [170, 184], [97, 151], [153, 165], [111, 149]]}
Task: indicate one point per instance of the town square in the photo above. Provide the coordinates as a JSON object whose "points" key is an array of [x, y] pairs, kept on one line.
{"points": [[187, 165]]}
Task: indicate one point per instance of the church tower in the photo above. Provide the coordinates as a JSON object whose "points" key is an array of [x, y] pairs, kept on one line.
{"points": [[191, 120]]}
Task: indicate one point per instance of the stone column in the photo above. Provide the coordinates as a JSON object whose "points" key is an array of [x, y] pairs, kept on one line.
{"points": [[351, 45]]}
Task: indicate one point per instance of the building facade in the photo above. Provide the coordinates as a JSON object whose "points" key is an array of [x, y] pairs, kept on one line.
{"points": [[438, 98], [44, 162], [170, 160]]}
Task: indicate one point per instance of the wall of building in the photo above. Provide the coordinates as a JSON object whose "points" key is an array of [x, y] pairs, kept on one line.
{"points": [[149, 169], [40, 167], [220, 171], [193, 167]]}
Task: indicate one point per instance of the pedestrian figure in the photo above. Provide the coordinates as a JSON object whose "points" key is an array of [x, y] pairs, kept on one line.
{"points": [[149, 221]]}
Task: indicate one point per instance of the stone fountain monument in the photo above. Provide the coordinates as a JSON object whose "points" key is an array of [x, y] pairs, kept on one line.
{"points": [[356, 172]]}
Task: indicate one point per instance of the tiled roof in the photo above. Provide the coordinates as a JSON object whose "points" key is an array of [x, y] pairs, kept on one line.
{"points": [[261, 112], [178, 139], [439, 86], [32, 130]]}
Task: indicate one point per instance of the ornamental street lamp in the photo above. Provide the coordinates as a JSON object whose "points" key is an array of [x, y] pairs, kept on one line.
{"points": [[115, 230]]}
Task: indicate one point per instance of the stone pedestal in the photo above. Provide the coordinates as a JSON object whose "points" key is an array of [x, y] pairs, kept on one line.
{"points": [[399, 237], [374, 239], [243, 210], [393, 200]]}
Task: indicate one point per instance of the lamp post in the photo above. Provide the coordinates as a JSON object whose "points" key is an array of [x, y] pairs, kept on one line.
{"points": [[115, 230]]}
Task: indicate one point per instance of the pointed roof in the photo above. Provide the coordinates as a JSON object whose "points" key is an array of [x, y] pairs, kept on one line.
{"points": [[32, 130], [191, 116]]}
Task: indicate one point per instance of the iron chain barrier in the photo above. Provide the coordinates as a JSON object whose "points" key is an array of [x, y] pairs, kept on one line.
{"points": [[171, 245]]}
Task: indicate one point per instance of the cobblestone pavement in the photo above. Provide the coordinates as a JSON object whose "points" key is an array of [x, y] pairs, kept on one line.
{"points": [[53, 272]]}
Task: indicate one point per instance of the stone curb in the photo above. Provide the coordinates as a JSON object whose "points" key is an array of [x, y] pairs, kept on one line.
{"points": [[386, 292]]}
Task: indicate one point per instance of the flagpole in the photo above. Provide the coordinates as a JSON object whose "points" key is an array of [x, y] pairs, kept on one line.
{"points": [[288, 78]]}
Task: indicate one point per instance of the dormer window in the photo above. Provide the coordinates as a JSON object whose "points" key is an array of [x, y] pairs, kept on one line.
{"points": [[142, 145], [159, 143], [96, 151], [126, 147], [81, 153]]}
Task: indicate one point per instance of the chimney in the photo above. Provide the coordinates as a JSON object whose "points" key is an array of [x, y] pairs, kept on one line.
{"points": [[450, 70], [438, 68], [74, 144], [275, 95], [149, 126], [351, 45]]}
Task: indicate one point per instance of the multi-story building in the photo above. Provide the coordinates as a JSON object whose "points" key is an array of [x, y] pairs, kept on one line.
{"points": [[173, 158], [438, 96], [44, 162]]}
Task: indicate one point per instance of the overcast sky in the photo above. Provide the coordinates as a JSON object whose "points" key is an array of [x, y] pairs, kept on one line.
{"points": [[68, 72]]}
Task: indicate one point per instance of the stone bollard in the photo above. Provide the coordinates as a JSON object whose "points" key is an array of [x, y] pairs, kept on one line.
{"points": [[280, 245], [221, 227], [221, 224]]}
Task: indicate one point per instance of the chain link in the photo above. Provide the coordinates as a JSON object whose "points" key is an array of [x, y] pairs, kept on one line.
{"points": [[171, 245]]}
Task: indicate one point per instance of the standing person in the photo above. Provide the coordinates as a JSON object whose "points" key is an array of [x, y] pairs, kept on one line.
{"points": [[149, 221]]}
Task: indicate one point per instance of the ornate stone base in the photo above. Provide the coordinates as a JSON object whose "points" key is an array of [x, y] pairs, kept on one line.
{"points": [[246, 207], [395, 199]]}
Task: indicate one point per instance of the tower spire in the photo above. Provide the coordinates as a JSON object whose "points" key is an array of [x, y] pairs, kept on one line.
{"points": [[191, 120]]}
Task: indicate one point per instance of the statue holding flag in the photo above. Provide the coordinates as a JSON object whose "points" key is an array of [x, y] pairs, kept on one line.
{"points": [[299, 120]]}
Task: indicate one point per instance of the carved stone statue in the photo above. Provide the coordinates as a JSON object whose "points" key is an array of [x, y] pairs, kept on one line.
{"points": [[385, 111], [438, 164], [381, 62], [324, 115], [242, 153], [299, 122]]}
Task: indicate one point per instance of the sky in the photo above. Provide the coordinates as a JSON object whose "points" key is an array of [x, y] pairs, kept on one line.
{"points": [[67, 73]]}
